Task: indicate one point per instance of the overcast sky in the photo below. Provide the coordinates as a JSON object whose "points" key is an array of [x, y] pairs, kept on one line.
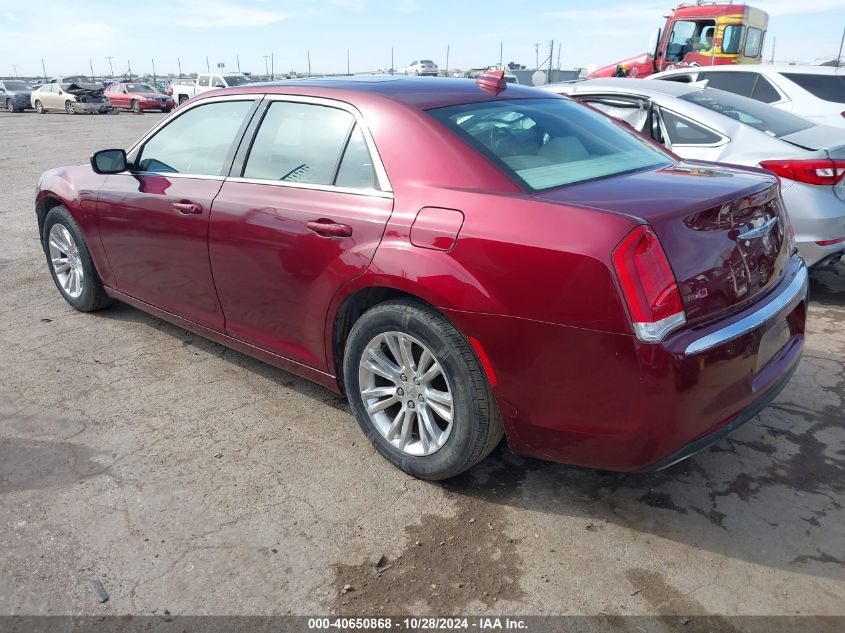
{"points": [[69, 34]]}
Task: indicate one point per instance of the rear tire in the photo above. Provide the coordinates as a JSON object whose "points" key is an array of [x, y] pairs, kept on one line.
{"points": [[182, 99], [66, 249], [473, 428], [39, 107]]}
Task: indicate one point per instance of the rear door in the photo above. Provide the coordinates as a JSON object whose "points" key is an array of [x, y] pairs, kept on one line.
{"points": [[301, 216], [154, 219]]}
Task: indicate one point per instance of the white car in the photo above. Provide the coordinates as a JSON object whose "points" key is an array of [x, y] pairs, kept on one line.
{"points": [[813, 92], [73, 95], [421, 67], [205, 82], [706, 124]]}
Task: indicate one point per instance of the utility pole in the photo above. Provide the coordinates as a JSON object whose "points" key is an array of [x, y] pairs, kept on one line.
{"points": [[775, 41], [155, 79], [551, 59], [447, 60], [129, 69], [347, 62], [91, 66], [16, 70], [44, 68], [238, 60], [559, 46], [537, 55], [501, 53], [179, 63], [272, 67], [839, 56], [207, 65], [111, 68], [392, 65], [266, 66], [309, 63]]}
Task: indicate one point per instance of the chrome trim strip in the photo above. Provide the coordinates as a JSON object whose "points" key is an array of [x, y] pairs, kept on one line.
{"points": [[760, 231], [798, 287], [374, 193], [173, 174]]}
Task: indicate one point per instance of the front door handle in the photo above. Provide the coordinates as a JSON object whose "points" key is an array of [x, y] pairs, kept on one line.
{"points": [[327, 228], [187, 208]]}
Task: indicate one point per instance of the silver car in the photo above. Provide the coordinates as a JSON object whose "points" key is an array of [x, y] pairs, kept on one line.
{"points": [[701, 123]]}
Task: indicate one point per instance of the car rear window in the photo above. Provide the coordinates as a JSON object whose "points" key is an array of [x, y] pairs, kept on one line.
{"points": [[826, 87], [548, 143], [766, 118]]}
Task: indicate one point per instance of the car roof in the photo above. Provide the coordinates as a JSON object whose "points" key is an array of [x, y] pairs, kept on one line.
{"points": [[419, 92], [637, 86], [778, 68]]}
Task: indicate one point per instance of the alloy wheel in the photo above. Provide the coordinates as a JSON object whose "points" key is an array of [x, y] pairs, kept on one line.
{"points": [[406, 393], [66, 261], [39, 107], [68, 107]]}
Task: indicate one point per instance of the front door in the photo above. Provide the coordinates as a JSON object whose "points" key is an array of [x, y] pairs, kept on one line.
{"points": [[154, 219], [305, 217]]}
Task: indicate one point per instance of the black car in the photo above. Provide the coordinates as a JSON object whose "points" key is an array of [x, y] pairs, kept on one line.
{"points": [[14, 95]]}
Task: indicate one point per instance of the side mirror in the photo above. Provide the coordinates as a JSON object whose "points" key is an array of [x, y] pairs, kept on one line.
{"points": [[109, 161]]}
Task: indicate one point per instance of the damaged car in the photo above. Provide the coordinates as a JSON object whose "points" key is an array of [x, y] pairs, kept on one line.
{"points": [[14, 95], [76, 94]]}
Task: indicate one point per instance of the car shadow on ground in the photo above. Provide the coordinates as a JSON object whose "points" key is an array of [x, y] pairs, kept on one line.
{"points": [[772, 493]]}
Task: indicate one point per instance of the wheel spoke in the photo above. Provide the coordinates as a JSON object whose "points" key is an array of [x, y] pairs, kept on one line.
{"points": [[395, 425], [425, 360], [441, 410], [407, 427], [57, 243], [378, 392], [407, 355], [381, 405], [393, 344], [379, 364], [431, 374], [443, 397], [60, 264]]}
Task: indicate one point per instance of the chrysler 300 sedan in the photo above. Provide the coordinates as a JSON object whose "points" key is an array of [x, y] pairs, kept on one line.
{"points": [[463, 259]]}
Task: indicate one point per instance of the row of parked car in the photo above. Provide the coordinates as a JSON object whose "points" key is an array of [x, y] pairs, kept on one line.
{"points": [[78, 94]]}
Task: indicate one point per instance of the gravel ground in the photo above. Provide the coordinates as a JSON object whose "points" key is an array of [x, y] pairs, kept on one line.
{"points": [[190, 478]]}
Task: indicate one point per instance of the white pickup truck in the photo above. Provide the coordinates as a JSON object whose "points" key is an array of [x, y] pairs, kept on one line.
{"points": [[207, 81]]}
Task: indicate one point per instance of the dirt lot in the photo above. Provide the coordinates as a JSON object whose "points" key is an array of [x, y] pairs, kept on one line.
{"points": [[193, 479]]}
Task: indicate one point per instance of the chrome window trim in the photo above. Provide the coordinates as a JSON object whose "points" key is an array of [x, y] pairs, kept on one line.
{"points": [[173, 174], [373, 193], [797, 287], [378, 165]]}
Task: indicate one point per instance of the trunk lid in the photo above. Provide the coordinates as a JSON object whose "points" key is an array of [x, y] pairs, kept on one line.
{"points": [[819, 137], [723, 229]]}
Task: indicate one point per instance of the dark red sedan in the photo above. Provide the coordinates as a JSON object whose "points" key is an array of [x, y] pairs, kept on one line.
{"points": [[138, 97], [461, 259]]}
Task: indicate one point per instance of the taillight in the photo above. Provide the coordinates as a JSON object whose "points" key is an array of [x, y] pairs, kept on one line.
{"points": [[814, 172], [169, 92], [838, 240], [648, 285]]}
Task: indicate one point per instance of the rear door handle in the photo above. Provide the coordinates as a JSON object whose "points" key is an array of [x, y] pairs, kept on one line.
{"points": [[187, 208], [327, 228]]}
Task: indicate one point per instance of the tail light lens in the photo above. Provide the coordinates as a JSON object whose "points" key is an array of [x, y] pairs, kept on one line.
{"points": [[648, 285], [170, 92], [814, 172]]}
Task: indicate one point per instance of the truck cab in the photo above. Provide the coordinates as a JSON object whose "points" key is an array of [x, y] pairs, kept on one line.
{"points": [[703, 34]]}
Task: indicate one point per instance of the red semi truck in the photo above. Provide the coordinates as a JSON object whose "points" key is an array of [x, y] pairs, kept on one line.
{"points": [[702, 34]]}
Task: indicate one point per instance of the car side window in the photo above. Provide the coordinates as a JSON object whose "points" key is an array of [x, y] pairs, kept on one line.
{"points": [[197, 142], [299, 143], [634, 113], [739, 83], [732, 39], [203, 80], [764, 91], [356, 167], [682, 131]]}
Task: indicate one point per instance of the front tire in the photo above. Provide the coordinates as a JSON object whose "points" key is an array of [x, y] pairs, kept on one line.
{"points": [[70, 262], [10, 106], [69, 107], [418, 390], [135, 106], [39, 107]]}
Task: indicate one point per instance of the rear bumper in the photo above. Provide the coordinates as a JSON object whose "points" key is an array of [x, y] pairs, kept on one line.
{"points": [[609, 401], [817, 214]]}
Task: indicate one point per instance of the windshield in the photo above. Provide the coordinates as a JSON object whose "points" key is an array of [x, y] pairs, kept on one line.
{"points": [[140, 88], [237, 80], [766, 118], [16, 85], [547, 143], [77, 79]]}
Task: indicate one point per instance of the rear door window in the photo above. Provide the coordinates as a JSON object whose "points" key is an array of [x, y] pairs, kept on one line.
{"points": [[826, 87], [299, 143], [356, 167], [764, 91], [202, 81], [739, 83], [548, 143], [199, 142], [773, 121], [682, 131]]}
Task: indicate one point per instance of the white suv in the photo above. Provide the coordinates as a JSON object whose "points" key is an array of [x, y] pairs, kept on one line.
{"points": [[421, 67], [813, 92]]}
